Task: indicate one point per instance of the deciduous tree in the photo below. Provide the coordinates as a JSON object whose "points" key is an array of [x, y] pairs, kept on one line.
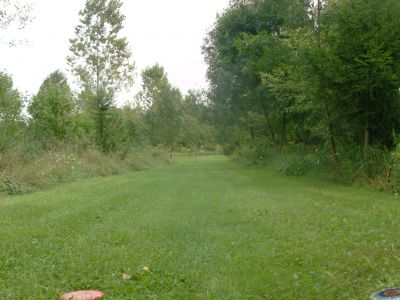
{"points": [[101, 59], [52, 108]]}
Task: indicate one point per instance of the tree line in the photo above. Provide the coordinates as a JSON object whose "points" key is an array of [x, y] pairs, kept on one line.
{"points": [[318, 79], [101, 61], [314, 75]]}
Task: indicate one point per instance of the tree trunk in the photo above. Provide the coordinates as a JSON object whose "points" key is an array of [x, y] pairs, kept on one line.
{"points": [[252, 133], [331, 137], [283, 133], [366, 125], [101, 135], [366, 140], [271, 130], [328, 118]]}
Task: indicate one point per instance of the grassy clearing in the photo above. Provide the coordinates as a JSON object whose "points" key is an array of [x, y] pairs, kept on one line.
{"points": [[207, 229]]}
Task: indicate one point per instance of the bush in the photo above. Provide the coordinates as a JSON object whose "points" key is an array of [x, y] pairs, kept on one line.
{"points": [[298, 161], [295, 160], [295, 165], [257, 152], [229, 149], [373, 171], [393, 174]]}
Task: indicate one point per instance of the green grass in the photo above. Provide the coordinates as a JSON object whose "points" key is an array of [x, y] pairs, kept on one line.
{"points": [[207, 229]]}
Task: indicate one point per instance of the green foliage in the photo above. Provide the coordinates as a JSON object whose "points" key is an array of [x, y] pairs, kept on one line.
{"points": [[154, 79], [128, 129], [10, 100], [365, 74], [247, 42], [101, 60], [53, 138], [256, 152], [392, 178], [322, 75], [197, 128], [11, 122], [299, 164], [53, 108], [13, 14], [165, 115], [99, 57], [172, 120]]}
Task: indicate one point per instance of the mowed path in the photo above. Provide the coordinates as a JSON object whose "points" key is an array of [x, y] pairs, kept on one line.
{"points": [[206, 229]]}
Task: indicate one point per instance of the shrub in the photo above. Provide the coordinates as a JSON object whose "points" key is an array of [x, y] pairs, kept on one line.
{"points": [[259, 152], [298, 162], [393, 174], [294, 165]]}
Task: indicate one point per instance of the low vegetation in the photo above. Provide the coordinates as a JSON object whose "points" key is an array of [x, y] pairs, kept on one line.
{"points": [[28, 173], [201, 227]]}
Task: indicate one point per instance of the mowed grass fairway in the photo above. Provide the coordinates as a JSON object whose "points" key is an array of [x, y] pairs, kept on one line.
{"points": [[207, 229]]}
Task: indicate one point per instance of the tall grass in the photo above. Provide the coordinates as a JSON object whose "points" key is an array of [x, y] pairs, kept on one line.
{"points": [[380, 170], [29, 167]]}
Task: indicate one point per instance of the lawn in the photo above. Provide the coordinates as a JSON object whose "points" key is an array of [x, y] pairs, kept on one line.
{"points": [[206, 229]]}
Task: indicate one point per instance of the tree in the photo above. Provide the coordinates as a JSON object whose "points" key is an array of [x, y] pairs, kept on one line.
{"points": [[164, 107], [13, 13], [247, 42], [167, 120], [197, 104], [364, 39], [10, 99], [52, 109], [197, 128], [320, 54], [129, 129], [154, 79], [101, 59], [10, 111]]}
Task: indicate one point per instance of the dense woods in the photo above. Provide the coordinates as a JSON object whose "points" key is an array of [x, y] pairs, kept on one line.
{"points": [[305, 86], [313, 85]]}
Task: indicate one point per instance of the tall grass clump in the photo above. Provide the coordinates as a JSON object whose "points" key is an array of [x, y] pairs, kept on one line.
{"points": [[28, 167]]}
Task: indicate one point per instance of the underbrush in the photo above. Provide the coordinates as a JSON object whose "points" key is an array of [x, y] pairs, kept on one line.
{"points": [[256, 153], [380, 171], [28, 168], [293, 161], [299, 162]]}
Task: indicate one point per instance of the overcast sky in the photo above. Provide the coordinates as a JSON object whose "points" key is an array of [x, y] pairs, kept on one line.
{"points": [[169, 32]]}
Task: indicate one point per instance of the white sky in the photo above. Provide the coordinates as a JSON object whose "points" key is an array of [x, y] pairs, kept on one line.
{"points": [[169, 32]]}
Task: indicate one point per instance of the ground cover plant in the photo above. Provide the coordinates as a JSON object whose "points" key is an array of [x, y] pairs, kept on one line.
{"points": [[199, 228]]}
